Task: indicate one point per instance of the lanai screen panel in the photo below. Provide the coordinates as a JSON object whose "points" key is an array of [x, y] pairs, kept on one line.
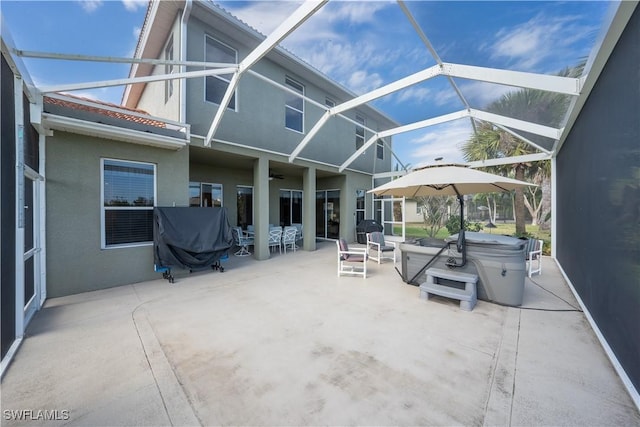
{"points": [[598, 210], [8, 208]]}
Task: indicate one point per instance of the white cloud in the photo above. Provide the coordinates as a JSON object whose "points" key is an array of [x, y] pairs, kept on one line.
{"points": [[133, 5], [362, 81], [479, 94], [323, 42], [89, 6], [446, 96], [532, 45], [354, 12], [444, 140], [414, 94]]}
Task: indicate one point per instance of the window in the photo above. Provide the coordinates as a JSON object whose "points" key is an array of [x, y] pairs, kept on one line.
{"points": [[245, 206], [360, 205], [216, 86], [294, 107], [380, 149], [168, 69], [359, 132], [329, 102], [205, 195], [128, 198]]}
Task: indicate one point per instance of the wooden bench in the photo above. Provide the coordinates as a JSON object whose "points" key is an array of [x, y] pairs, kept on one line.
{"points": [[467, 296]]}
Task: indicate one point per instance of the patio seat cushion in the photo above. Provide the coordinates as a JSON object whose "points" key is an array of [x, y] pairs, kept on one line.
{"points": [[378, 238], [343, 247]]}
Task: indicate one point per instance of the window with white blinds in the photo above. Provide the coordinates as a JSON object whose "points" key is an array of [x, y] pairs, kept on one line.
{"points": [[128, 198]]}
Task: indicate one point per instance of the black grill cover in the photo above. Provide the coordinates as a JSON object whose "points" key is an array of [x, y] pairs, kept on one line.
{"points": [[190, 238]]}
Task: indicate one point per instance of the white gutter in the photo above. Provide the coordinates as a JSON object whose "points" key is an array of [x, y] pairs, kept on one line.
{"points": [[186, 13], [83, 127]]}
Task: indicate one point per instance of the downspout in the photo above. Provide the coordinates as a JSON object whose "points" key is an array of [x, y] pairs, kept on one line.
{"points": [[183, 57]]}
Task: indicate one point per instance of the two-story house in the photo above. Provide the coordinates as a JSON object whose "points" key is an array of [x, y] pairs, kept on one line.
{"points": [[107, 167]]}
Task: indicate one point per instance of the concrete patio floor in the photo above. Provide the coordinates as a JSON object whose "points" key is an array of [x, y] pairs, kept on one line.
{"points": [[286, 342]]}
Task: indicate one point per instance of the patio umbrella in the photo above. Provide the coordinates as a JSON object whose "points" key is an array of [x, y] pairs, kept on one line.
{"points": [[448, 180]]}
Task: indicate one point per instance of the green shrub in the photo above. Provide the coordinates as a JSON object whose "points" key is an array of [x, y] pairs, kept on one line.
{"points": [[453, 225]]}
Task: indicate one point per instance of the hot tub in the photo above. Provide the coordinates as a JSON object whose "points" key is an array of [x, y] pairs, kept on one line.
{"points": [[499, 261]]}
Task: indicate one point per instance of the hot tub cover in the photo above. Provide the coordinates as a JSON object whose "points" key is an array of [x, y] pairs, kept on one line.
{"points": [[488, 239], [190, 237]]}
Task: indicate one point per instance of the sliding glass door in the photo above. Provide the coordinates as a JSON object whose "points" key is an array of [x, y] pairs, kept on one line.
{"points": [[328, 214], [245, 206], [290, 207]]}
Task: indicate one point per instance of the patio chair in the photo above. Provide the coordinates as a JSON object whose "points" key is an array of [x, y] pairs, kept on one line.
{"points": [[243, 241], [533, 252], [298, 227], [289, 238], [375, 242], [275, 238], [351, 261]]}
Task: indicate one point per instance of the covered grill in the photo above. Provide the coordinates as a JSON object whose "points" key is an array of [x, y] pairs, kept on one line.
{"points": [[366, 226], [190, 238]]}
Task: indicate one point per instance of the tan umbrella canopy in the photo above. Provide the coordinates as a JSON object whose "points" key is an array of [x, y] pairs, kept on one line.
{"points": [[448, 180]]}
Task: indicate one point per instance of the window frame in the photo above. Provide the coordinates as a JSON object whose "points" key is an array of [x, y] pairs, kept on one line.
{"points": [[290, 83], [329, 102], [360, 129], [103, 208], [220, 77], [380, 149], [290, 198], [238, 193], [201, 184], [361, 205]]}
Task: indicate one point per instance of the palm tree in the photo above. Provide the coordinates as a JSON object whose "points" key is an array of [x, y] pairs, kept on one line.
{"points": [[493, 142]]}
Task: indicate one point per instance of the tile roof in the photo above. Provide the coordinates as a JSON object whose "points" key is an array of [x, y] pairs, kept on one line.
{"points": [[122, 114]]}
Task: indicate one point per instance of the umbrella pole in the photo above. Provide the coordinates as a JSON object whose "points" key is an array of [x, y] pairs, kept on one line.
{"points": [[461, 244]]}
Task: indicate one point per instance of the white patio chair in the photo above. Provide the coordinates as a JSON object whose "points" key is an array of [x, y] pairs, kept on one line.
{"points": [[533, 252], [375, 242], [298, 227], [351, 261], [275, 238], [289, 238], [243, 241]]}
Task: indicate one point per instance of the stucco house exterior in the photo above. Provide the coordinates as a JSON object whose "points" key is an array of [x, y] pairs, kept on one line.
{"points": [[107, 166], [80, 178]]}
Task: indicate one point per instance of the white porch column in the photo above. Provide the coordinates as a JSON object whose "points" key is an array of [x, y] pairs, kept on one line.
{"points": [[309, 209]]}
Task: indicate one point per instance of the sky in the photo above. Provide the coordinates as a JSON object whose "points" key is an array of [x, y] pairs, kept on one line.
{"points": [[360, 44]]}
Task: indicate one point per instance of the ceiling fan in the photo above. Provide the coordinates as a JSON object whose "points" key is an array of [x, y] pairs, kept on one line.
{"points": [[273, 175]]}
